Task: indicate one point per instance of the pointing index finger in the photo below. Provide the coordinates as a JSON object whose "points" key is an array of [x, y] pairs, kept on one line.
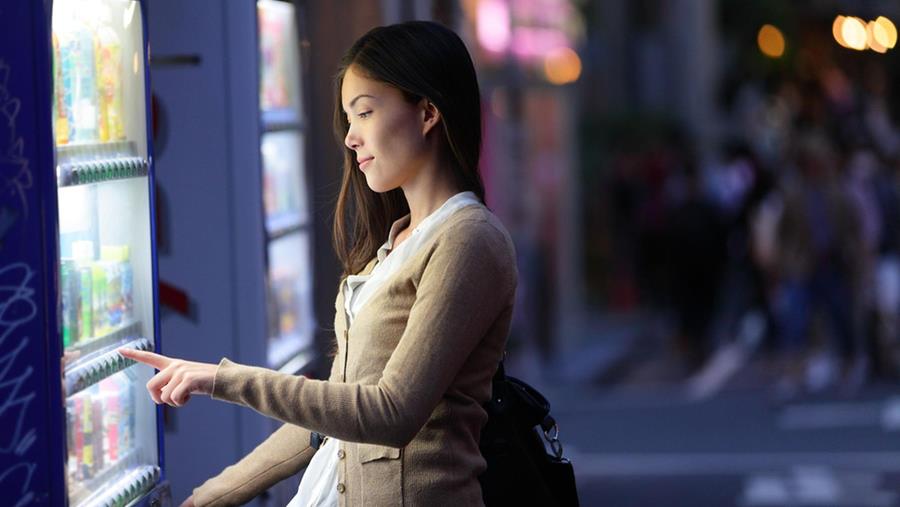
{"points": [[157, 361]]}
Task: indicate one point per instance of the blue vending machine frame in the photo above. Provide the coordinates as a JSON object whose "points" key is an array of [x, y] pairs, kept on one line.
{"points": [[32, 411], [32, 444]]}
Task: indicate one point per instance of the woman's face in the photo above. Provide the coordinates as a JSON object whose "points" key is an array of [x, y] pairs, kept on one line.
{"points": [[387, 132]]}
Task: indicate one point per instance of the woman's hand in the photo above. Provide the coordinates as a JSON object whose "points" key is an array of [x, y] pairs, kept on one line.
{"points": [[189, 502], [177, 379]]}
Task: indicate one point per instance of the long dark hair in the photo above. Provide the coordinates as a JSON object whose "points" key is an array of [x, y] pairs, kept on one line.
{"points": [[423, 60]]}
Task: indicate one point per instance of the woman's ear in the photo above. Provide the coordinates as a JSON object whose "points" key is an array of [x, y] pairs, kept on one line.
{"points": [[431, 116]]}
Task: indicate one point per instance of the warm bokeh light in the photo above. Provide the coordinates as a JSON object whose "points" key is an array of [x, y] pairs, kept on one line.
{"points": [[837, 29], [494, 25], [770, 41], [853, 31], [890, 31], [876, 37], [562, 66]]}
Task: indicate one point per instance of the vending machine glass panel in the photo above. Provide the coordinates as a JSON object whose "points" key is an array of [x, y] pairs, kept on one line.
{"points": [[106, 260]]}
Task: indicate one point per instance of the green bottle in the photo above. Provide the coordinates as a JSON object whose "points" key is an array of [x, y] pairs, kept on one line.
{"points": [[70, 292], [83, 251]]}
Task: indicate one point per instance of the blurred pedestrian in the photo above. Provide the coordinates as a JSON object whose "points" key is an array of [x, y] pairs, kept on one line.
{"points": [[744, 185], [887, 270], [696, 255], [819, 249]]}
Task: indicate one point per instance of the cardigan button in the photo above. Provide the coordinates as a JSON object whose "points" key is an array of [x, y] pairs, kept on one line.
{"points": [[341, 454], [340, 487]]}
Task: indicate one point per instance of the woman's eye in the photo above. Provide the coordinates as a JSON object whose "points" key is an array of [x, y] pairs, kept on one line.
{"points": [[364, 114]]}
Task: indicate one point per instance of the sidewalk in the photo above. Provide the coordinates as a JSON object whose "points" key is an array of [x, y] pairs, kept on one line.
{"points": [[591, 350], [638, 435]]}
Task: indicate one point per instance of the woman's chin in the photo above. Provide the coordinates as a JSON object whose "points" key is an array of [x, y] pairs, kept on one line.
{"points": [[379, 187]]}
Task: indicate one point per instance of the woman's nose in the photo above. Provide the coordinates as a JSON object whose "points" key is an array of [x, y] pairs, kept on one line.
{"points": [[351, 140]]}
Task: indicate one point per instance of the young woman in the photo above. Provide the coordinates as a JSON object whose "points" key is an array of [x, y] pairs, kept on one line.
{"points": [[422, 311]]}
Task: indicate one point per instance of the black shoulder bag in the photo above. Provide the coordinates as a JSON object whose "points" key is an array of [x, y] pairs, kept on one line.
{"points": [[520, 471]]}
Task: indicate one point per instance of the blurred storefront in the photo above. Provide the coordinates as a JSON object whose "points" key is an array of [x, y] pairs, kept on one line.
{"points": [[526, 54]]}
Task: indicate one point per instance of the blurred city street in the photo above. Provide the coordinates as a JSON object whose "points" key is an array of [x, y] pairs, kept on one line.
{"points": [[637, 437]]}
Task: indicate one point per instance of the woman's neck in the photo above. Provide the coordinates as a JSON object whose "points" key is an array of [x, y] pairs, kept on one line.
{"points": [[430, 190]]}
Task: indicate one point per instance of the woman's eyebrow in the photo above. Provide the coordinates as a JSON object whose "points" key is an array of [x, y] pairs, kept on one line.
{"points": [[361, 95]]}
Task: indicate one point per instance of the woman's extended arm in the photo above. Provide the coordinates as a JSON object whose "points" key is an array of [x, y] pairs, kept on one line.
{"points": [[468, 283], [280, 456]]}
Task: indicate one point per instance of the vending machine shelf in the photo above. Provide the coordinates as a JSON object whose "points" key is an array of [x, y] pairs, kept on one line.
{"points": [[100, 365], [131, 486], [84, 349], [68, 153], [98, 171]]}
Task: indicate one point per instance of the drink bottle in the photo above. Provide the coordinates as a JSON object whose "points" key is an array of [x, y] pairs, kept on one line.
{"points": [[83, 251], [108, 53]]}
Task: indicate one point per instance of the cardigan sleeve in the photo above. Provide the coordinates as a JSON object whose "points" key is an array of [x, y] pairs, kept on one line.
{"points": [[280, 456], [468, 282]]}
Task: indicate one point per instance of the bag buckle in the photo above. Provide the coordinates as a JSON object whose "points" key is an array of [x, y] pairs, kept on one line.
{"points": [[551, 435]]}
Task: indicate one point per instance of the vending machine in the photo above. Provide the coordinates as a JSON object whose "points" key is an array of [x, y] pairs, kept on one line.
{"points": [[77, 257], [285, 189], [234, 219]]}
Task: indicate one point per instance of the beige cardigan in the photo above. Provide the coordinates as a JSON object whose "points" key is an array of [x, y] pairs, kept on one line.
{"points": [[407, 385]]}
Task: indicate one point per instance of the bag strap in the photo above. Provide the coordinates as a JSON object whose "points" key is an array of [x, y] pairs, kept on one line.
{"points": [[548, 425]]}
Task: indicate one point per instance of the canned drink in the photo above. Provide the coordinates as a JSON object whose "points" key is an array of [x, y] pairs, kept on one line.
{"points": [[86, 303], [128, 408], [70, 293], [112, 413], [100, 295], [61, 123], [114, 300], [97, 419], [72, 442], [87, 439], [127, 283], [83, 252]]}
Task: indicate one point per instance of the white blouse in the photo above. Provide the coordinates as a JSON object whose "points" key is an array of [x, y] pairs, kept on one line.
{"points": [[318, 487]]}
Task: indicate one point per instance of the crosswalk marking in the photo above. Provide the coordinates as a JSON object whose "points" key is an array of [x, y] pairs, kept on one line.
{"points": [[683, 464], [820, 486], [884, 414]]}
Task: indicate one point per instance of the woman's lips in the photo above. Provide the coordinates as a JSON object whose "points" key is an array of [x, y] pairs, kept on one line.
{"points": [[364, 162]]}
